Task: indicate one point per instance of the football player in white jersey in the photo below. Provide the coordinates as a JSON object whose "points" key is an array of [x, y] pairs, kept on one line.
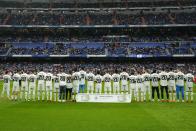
{"points": [[6, 85], [107, 83], [164, 84], [56, 87], [147, 87], [32, 87], [116, 82], [155, 84], [132, 80], [180, 85], [62, 86], [124, 76], [90, 82], [41, 85], [98, 81], [69, 86], [24, 86], [139, 87], [82, 80], [172, 85], [16, 86], [48, 78], [76, 82], [189, 86]]}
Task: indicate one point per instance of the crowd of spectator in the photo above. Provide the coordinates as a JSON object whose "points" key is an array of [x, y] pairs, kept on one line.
{"points": [[3, 49], [51, 18], [148, 51], [57, 49], [36, 38], [104, 67], [87, 51], [97, 48], [98, 4]]}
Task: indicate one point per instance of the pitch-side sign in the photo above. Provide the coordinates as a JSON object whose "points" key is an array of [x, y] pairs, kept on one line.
{"points": [[104, 98]]}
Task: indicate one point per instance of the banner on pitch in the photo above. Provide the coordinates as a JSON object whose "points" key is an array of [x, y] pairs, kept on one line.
{"points": [[104, 98]]}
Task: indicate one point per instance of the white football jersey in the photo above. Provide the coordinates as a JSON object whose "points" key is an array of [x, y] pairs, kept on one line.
{"points": [[69, 81], [41, 77], [107, 78], [16, 79], [76, 77], [146, 77], [24, 79], [62, 79], [189, 80], [116, 78], [155, 79], [163, 78], [98, 79], [56, 79], [82, 77], [32, 78], [180, 79], [132, 80], [124, 78], [139, 80], [171, 79], [48, 78], [90, 78], [6, 79]]}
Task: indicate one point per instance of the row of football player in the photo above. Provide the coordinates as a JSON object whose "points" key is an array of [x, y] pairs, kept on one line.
{"points": [[174, 82]]}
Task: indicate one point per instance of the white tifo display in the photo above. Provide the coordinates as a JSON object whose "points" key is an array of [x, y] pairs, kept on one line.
{"points": [[104, 98]]}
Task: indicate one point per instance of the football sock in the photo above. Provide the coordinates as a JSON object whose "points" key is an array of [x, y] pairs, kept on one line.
{"points": [[174, 96], [26, 95], [50, 95], [187, 96], [191, 96], [170, 96], [43, 95]]}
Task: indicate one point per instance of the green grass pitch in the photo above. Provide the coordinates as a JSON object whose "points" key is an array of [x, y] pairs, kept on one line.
{"points": [[44, 116]]}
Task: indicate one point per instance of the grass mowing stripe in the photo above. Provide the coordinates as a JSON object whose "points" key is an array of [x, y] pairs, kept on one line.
{"points": [[33, 116]]}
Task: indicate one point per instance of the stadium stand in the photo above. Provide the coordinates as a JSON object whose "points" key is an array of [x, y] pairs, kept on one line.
{"points": [[128, 30], [96, 4], [31, 67], [99, 18]]}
